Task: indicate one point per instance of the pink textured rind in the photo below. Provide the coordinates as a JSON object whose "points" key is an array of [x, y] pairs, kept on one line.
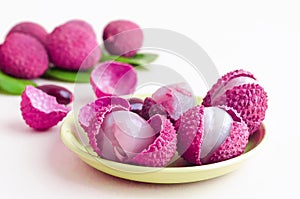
{"points": [[163, 149], [190, 128], [91, 116], [222, 81], [122, 37], [32, 29], [23, 56], [83, 24], [234, 145], [250, 101], [150, 108], [72, 47], [39, 119], [113, 78]]}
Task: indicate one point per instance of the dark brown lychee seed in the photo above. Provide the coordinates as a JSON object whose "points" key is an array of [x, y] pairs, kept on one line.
{"points": [[62, 95], [136, 104]]}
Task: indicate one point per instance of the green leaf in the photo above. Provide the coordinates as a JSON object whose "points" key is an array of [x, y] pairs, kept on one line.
{"points": [[139, 59], [13, 86], [68, 76]]}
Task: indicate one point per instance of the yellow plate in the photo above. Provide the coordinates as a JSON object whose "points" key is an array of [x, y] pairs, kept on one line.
{"points": [[177, 172]]}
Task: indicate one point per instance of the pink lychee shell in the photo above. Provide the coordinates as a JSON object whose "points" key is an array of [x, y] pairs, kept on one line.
{"points": [[190, 128], [113, 78], [40, 110], [23, 56], [160, 152]]}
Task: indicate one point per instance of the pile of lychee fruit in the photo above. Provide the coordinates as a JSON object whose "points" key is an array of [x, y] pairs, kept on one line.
{"points": [[28, 49], [150, 131]]}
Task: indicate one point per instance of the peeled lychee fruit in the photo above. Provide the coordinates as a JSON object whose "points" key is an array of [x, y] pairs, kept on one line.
{"points": [[62, 95], [115, 133], [241, 91], [123, 38], [40, 110], [210, 134], [72, 47], [174, 98], [23, 56], [136, 105], [32, 29], [113, 78]]}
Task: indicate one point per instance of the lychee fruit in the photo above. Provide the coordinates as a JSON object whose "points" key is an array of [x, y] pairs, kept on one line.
{"points": [[62, 95], [72, 47], [240, 90], [210, 134], [122, 38], [32, 29], [83, 24], [113, 78], [136, 105], [23, 56], [118, 134], [40, 110]]}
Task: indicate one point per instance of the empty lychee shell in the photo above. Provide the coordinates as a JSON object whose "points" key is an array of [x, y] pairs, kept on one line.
{"points": [[40, 110], [240, 90], [72, 47], [113, 78], [23, 56], [91, 116], [207, 135], [31, 29], [122, 37], [175, 98]]}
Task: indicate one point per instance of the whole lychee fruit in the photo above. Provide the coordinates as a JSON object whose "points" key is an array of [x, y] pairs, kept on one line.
{"points": [[71, 47], [23, 56], [30, 28], [123, 38]]}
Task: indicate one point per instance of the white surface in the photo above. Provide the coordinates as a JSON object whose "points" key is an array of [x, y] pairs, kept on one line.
{"points": [[260, 36]]}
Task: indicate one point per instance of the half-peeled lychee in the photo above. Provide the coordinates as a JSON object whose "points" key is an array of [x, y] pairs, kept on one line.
{"points": [[210, 134], [241, 91], [40, 110]]}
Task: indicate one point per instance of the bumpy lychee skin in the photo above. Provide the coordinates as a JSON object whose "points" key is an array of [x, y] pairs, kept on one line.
{"points": [[113, 78], [23, 56], [72, 47], [40, 110], [122, 37], [83, 24], [240, 90], [161, 151], [190, 128], [30, 28], [208, 135]]}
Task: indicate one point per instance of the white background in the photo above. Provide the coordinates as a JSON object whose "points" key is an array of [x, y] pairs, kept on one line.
{"points": [[260, 36]]}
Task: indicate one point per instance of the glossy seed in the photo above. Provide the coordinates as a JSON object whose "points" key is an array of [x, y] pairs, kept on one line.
{"points": [[136, 104], [62, 95]]}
